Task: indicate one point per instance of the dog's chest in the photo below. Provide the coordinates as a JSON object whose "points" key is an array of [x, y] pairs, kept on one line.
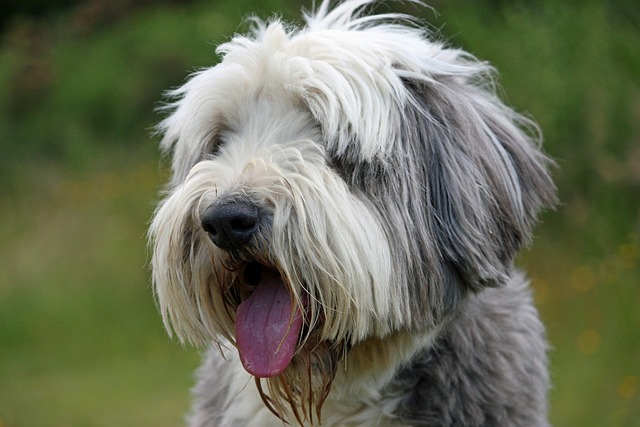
{"points": [[341, 409], [354, 401], [360, 412]]}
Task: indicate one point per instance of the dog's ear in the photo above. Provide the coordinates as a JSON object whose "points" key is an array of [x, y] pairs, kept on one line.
{"points": [[485, 178]]}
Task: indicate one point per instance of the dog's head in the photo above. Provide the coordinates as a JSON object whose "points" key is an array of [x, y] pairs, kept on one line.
{"points": [[335, 183]]}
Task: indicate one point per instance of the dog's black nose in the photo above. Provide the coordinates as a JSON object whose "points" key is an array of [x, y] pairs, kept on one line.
{"points": [[231, 225]]}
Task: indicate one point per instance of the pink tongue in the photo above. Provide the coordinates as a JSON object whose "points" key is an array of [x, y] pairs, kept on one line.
{"points": [[266, 334]]}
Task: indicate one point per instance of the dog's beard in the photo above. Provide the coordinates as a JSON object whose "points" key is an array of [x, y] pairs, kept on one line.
{"points": [[300, 388]]}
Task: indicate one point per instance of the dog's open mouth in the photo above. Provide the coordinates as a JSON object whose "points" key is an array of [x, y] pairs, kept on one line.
{"points": [[268, 323]]}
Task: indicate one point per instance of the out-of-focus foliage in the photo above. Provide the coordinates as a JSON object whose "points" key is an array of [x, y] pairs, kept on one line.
{"points": [[80, 340]]}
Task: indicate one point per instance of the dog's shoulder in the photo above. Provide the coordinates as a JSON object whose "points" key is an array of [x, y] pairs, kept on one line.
{"points": [[488, 367]]}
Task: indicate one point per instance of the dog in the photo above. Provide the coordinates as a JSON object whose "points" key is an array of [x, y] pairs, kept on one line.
{"points": [[346, 202]]}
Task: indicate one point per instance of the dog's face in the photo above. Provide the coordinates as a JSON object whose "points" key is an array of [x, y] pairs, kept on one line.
{"points": [[338, 183]]}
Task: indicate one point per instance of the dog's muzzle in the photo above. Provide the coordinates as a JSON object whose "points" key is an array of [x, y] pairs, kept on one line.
{"points": [[268, 323], [231, 225]]}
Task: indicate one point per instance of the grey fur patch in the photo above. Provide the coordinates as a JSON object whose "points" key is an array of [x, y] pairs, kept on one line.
{"points": [[459, 195], [488, 368]]}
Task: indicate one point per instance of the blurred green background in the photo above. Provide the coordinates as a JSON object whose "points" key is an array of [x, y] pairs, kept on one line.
{"points": [[81, 343]]}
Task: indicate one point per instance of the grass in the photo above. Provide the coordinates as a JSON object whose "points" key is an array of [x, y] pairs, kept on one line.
{"points": [[81, 343]]}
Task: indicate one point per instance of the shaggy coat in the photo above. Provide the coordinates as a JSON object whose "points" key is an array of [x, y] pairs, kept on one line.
{"points": [[346, 204]]}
